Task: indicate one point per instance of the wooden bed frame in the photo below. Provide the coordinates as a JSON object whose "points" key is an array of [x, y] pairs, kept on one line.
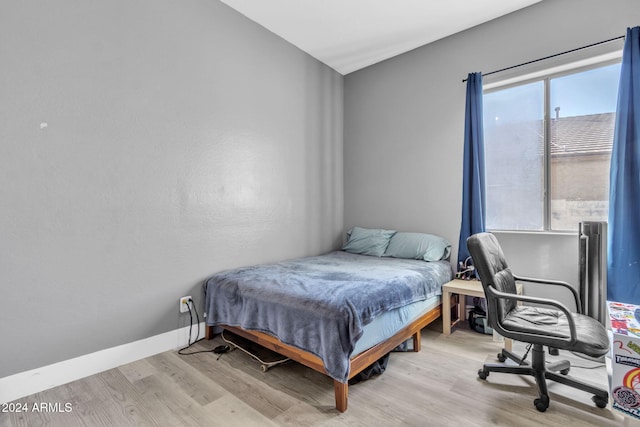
{"points": [[357, 363]]}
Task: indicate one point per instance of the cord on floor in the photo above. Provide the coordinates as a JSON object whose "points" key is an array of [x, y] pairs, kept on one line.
{"points": [[189, 343]]}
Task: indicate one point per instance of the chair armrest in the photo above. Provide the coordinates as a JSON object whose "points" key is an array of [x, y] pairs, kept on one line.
{"points": [[576, 297], [544, 301]]}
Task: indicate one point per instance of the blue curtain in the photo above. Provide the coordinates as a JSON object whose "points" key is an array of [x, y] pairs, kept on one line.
{"points": [[473, 188], [623, 260]]}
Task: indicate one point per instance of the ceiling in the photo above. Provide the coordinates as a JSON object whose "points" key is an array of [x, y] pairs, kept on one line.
{"points": [[348, 35]]}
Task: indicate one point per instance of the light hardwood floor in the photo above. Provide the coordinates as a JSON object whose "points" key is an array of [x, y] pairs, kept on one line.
{"points": [[437, 387]]}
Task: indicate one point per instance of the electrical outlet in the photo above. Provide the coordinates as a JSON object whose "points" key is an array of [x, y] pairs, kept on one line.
{"points": [[184, 304]]}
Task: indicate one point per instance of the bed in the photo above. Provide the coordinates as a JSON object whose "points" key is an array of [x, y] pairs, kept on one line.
{"points": [[336, 313]]}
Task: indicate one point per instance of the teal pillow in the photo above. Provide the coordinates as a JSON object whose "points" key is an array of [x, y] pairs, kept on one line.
{"points": [[418, 246], [367, 241]]}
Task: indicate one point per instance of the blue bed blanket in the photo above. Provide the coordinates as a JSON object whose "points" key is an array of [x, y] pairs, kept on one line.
{"points": [[320, 304]]}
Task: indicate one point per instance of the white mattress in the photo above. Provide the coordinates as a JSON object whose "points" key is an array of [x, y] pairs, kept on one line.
{"points": [[388, 324]]}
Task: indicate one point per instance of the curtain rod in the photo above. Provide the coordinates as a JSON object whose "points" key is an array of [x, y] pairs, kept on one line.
{"points": [[550, 56]]}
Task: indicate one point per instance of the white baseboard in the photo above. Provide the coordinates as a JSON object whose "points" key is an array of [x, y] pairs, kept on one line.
{"points": [[36, 380]]}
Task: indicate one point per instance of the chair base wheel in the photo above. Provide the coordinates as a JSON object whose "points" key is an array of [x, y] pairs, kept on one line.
{"points": [[542, 403], [501, 357], [565, 371], [482, 374], [599, 401]]}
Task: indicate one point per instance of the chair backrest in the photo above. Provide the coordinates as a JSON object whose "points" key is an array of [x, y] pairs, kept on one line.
{"points": [[492, 268]]}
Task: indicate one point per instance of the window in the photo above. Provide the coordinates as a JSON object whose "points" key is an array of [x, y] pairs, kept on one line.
{"points": [[548, 175]]}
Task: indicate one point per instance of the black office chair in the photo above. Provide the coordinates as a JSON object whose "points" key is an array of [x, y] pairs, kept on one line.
{"points": [[548, 324]]}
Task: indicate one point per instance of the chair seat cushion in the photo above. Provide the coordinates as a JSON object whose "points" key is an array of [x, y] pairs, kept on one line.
{"points": [[592, 338]]}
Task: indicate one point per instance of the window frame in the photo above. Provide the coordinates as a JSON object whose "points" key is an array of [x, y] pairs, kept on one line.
{"points": [[545, 76]]}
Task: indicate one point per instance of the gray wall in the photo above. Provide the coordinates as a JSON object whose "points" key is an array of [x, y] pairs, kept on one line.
{"points": [[404, 122], [180, 139]]}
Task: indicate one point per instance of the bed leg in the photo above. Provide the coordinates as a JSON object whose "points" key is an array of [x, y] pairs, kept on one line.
{"points": [[416, 341], [208, 332], [342, 394]]}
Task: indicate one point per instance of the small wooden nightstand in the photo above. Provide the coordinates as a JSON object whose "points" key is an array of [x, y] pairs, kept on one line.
{"points": [[463, 287]]}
